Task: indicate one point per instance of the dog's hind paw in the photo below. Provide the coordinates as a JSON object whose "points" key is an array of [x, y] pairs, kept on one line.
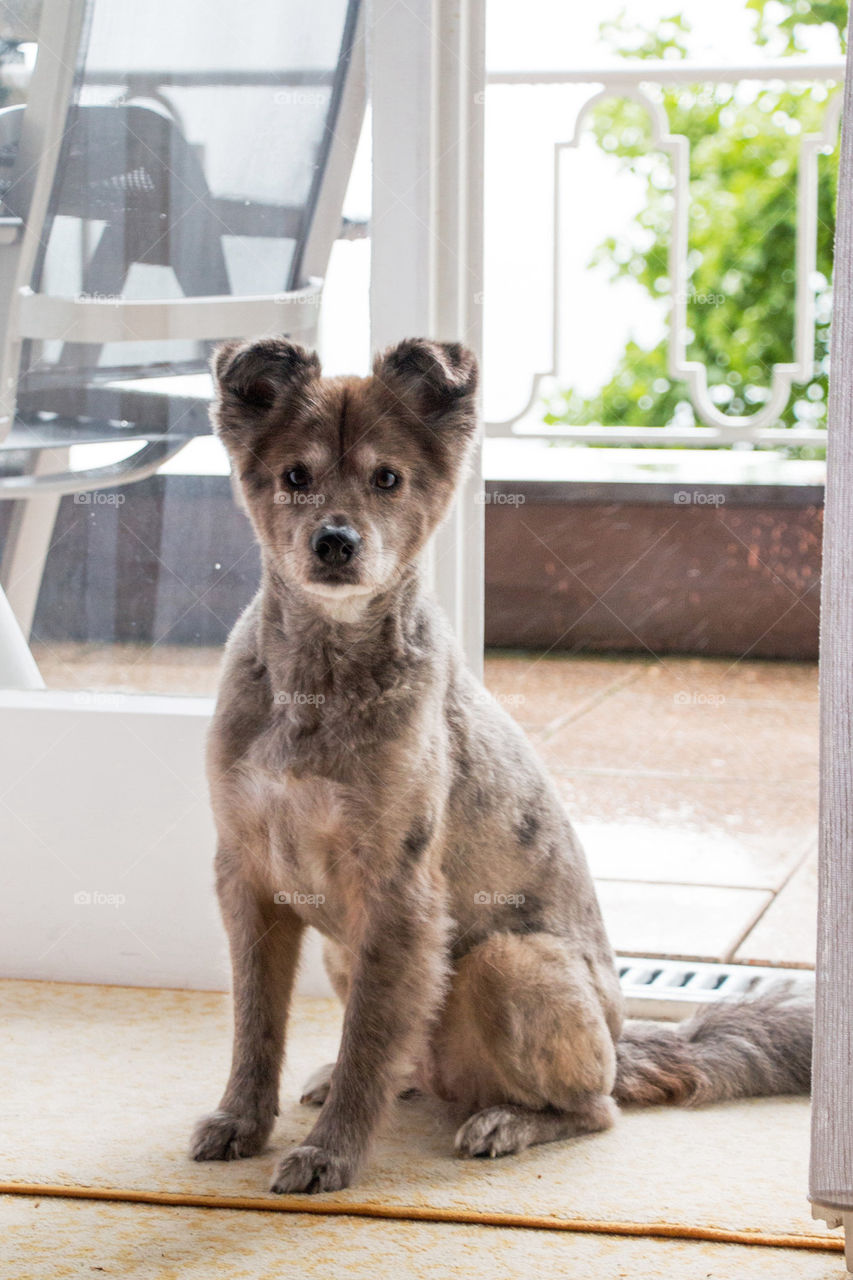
{"points": [[316, 1088], [497, 1131], [311, 1169], [225, 1136]]}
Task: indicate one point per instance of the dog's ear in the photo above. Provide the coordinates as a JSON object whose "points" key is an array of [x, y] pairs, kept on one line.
{"points": [[436, 380], [254, 375]]}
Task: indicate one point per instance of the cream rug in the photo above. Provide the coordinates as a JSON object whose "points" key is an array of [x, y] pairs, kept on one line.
{"points": [[49, 1239], [102, 1086]]}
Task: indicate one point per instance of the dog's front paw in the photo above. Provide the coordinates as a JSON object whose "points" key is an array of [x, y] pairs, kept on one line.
{"points": [[225, 1136], [311, 1169]]}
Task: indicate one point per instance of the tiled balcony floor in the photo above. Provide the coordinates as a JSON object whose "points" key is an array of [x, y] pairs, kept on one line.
{"points": [[693, 783]]}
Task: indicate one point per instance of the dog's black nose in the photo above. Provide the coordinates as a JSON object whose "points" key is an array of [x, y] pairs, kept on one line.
{"points": [[335, 543]]}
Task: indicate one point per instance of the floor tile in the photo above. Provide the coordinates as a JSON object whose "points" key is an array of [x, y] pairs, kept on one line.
{"points": [[690, 732], [689, 921], [737, 680], [690, 831], [786, 933], [541, 690]]}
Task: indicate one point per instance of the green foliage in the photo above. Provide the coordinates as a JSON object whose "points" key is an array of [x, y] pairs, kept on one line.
{"points": [[744, 146], [788, 31]]}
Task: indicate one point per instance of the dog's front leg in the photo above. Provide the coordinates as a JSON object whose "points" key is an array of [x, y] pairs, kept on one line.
{"points": [[397, 982], [264, 939]]}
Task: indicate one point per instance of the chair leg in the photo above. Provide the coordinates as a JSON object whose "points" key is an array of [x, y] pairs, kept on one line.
{"points": [[28, 540], [18, 668]]}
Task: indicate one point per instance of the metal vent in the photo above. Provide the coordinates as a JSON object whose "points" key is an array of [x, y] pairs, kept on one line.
{"points": [[674, 989]]}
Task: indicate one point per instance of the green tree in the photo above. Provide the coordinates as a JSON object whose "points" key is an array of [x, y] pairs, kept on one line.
{"points": [[787, 34], [744, 145]]}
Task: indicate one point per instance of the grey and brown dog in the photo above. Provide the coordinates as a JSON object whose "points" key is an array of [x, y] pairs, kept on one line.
{"points": [[363, 782]]}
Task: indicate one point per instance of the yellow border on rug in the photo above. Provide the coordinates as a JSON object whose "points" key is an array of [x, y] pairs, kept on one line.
{"points": [[413, 1213]]}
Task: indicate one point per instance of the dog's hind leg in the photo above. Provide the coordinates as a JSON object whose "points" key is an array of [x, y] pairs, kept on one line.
{"points": [[526, 1044]]}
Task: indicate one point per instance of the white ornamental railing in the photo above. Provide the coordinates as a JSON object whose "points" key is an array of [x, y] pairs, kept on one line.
{"points": [[628, 80]]}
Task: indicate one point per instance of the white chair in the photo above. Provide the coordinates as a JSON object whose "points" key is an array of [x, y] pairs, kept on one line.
{"points": [[176, 178]]}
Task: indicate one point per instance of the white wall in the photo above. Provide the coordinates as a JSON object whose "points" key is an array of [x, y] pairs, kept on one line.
{"points": [[104, 795]]}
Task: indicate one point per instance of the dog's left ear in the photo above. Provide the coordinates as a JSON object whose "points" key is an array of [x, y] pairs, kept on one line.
{"points": [[436, 380]]}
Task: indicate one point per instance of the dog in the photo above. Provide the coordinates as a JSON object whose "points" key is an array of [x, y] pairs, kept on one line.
{"points": [[363, 782]]}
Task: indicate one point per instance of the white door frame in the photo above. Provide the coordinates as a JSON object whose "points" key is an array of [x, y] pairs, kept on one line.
{"points": [[428, 79]]}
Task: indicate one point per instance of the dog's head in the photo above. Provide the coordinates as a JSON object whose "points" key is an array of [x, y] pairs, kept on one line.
{"points": [[345, 478]]}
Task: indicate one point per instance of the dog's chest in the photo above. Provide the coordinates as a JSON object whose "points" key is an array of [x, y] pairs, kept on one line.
{"points": [[307, 846]]}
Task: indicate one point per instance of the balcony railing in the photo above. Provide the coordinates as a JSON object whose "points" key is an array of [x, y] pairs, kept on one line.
{"points": [[714, 427]]}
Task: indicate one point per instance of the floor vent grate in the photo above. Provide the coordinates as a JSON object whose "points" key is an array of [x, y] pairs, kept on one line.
{"points": [[673, 989]]}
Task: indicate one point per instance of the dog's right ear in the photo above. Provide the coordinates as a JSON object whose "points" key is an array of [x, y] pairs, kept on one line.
{"points": [[251, 378]]}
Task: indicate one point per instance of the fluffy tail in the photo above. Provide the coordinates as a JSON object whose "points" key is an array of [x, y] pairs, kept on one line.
{"points": [[747, 1049]]}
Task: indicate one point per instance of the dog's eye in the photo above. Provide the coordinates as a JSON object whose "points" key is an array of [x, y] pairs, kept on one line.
{"points": [[385, 478], [298, 477]]}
